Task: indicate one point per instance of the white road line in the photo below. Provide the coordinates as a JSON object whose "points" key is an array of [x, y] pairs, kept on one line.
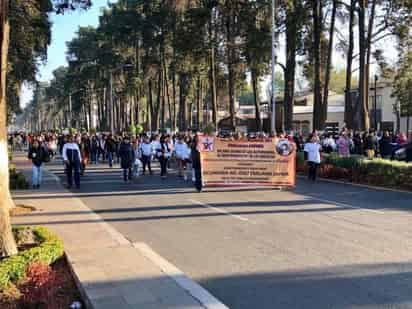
{"points": [[206, 299], [344, 205], [220, 210]]}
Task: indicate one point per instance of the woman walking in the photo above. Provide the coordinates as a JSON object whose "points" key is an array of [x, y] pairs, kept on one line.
{"points": [[37, 156]]}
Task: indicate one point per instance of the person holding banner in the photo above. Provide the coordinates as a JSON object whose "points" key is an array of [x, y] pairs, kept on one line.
{"points": [[196, 163], [312, 151]]}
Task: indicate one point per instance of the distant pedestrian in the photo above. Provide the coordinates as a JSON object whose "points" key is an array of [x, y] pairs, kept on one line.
{"points": [[127, 158], [72, 160], [312, 156], [110, 149], [37, 155], [343, 145], [163, 153], [146, 152], [196, 164]]}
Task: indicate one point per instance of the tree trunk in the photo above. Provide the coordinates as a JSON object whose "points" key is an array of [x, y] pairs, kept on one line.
{"points": [[212, 74], [182, 102], [7, 244], [349, 61], [317, 86], [369, 51], [198, 105], [362, 106], [174, 120], [167, 95], [290, 69], [256, 99], [151, 112], [329, 63], [230, 63]]}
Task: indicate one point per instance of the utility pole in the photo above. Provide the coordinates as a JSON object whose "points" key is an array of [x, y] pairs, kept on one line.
{"points": [[273, 99]]}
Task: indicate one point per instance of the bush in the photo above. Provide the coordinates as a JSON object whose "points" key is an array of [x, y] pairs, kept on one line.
{"points": [[17, 181], [13, 269], [360, 169]]}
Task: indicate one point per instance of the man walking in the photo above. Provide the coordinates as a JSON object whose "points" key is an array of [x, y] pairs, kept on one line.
{"points": [[72, 159]]}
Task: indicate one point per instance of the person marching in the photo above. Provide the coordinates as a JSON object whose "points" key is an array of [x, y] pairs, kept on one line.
{"points": [[127, 157], [146, 151], [312, 155], [163, 154], [196, 163], [72, 159], [182, 153], [37, 155]]}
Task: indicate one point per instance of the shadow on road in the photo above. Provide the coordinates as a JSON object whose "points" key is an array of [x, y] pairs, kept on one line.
{"points": [[352, 286]]}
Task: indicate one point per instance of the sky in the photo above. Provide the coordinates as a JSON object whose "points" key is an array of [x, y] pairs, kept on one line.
{"points": [[63, 30]]}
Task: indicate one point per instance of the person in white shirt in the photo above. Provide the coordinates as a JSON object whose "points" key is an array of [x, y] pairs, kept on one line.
{"points": [[146, 152], [155, 144], [312, 151], [72, 159], [182, 153]]}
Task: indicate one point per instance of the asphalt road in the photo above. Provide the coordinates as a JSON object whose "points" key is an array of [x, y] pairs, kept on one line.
{"points": [[322, 245]]}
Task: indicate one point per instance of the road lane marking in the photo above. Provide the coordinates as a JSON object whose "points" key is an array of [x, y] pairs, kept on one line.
{"points": [[206, 299], [344, 205], [220, 210]]}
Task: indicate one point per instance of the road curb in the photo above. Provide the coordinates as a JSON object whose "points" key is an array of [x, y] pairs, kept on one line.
{"points": [[341, 182], [206, 299]]}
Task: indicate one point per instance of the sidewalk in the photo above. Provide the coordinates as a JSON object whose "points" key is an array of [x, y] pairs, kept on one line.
{"points": [[111, 272]]}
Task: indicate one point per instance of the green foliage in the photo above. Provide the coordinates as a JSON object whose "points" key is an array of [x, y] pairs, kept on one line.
{"points": [[377, 171], [403, 84], [49, 249], [17, 181], [343, 162]]}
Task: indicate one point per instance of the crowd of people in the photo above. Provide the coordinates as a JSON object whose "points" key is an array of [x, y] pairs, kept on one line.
{"points": [[135, 154], [370, 144]]}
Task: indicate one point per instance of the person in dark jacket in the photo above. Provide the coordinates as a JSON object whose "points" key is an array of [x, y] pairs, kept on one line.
{"points": [[127, 157], [110, 149], [37, 156], [196, 163], [163, 154], [385, 146], [409, 152], [358, 144], [371, 145], [94, 149]]}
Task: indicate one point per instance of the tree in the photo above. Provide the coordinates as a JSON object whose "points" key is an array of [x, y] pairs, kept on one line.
{"points": [[7, 243]]}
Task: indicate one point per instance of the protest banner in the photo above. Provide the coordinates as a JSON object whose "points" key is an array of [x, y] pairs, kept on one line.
{"points": [[269, 162]]}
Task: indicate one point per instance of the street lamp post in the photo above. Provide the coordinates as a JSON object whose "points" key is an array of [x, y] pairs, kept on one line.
{"points": [[375, 105], [273, 99]]}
